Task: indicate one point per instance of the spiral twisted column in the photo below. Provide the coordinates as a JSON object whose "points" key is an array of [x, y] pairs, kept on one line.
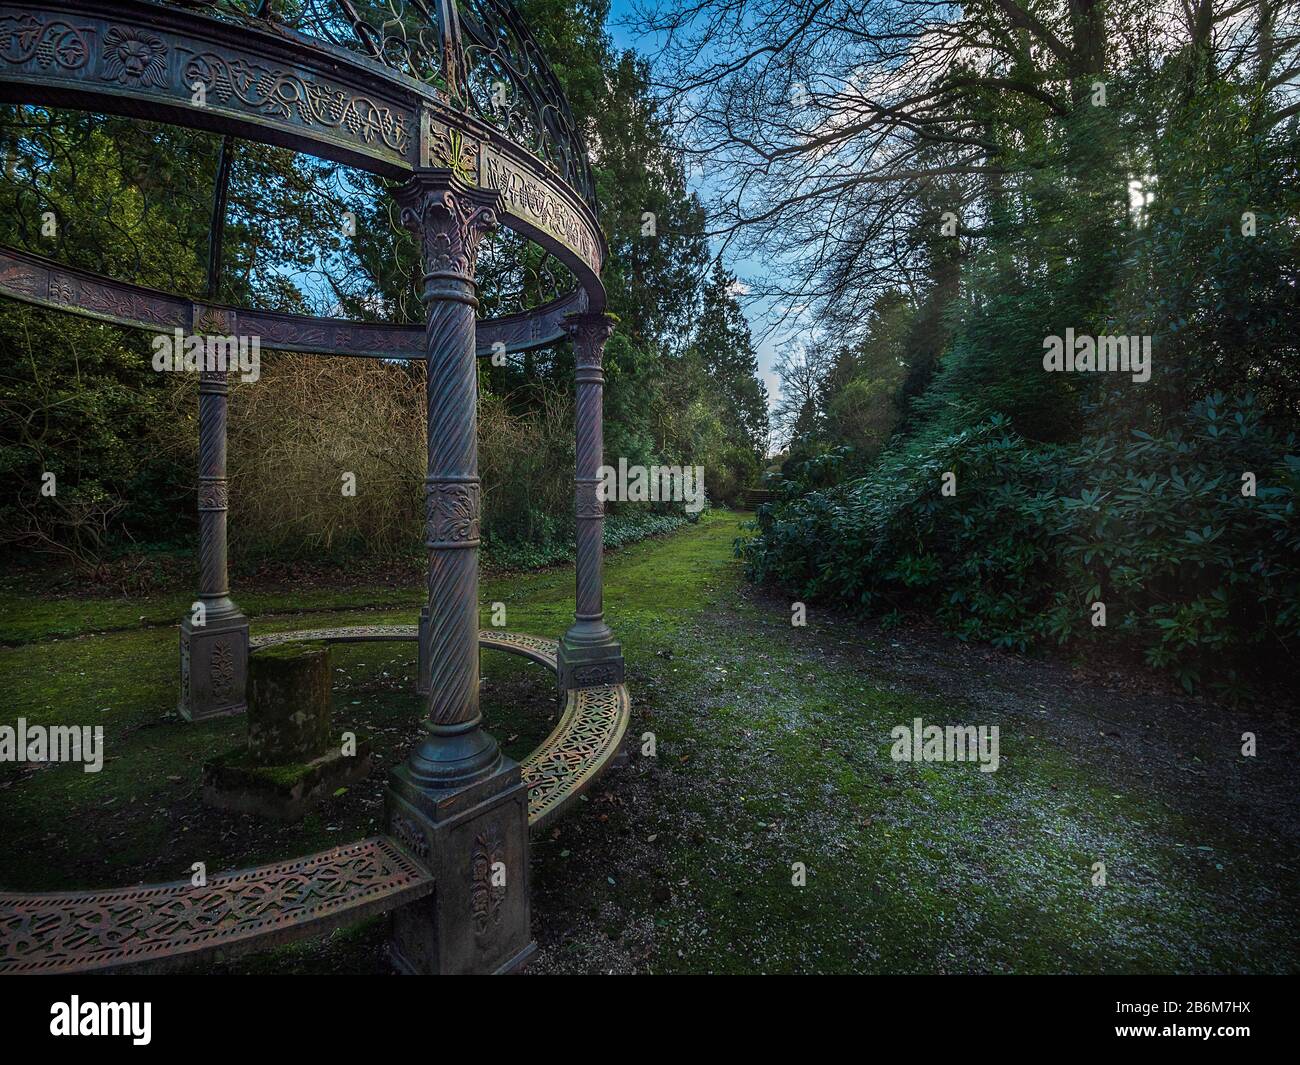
{"points": [[456, 805], [589, 654], [450, 218], [214, 634], [214, 491]]}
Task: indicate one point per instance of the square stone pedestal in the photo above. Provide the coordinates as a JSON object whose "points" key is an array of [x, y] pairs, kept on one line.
{"points": [[586, 665], [475, 842], [214, 668]]}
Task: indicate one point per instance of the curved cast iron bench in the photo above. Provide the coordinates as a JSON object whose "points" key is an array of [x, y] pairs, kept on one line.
{"points": [[83, 931], [252, 909]]}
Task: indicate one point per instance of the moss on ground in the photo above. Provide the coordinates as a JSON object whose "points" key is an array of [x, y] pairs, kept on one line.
{"points": [[772, 747]]}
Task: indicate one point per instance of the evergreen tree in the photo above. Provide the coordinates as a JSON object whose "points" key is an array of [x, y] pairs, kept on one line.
{"points": [[725, 348]]}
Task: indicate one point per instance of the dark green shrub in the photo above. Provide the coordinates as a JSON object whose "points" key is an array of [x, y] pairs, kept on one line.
{"points": [[1191, 571]]}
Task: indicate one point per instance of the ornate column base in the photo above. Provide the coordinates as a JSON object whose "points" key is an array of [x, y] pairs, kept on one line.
{"points": [[214, 666], [589, 655], [474, 840]]}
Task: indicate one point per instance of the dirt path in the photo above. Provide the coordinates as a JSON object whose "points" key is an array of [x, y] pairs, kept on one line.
{"points": [[773, 748]]}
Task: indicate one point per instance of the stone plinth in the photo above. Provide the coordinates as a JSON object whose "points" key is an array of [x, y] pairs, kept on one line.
{"points": [[293, 758]]}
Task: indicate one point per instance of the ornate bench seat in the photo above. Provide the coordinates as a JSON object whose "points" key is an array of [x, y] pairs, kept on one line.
{"points": [[85, 931]]}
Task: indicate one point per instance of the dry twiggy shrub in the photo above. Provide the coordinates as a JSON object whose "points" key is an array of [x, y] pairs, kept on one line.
{"points": [[299, 429], [309, 420]]}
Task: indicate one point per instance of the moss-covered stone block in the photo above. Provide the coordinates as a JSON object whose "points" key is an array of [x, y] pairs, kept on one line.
{"points": [[233, 781], [289, 703]]}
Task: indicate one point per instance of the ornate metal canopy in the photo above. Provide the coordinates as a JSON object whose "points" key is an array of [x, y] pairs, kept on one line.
{"points": [[386, 86]]}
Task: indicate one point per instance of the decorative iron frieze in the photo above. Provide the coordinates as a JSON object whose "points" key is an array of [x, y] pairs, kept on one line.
{"points": [[51, 42], [329, 336], [106, 299], [23, 280], [28, 277], [529, 197], [265, 89], [206, 67], [39, 280]]}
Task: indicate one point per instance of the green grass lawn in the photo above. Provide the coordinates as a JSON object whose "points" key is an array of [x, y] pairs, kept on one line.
{"points": [[772, 748]]}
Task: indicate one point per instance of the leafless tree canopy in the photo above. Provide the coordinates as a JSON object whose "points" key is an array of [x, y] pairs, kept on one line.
{"points": [[828, 129]]}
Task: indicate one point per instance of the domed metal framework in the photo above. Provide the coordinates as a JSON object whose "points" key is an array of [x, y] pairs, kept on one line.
{"points": [[454, 99]]}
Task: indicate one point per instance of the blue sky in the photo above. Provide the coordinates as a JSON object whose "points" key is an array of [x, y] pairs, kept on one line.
{"points": [[742, 268], [617, 9]]}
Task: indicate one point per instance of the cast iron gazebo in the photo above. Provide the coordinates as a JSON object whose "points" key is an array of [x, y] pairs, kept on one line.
{"points": [[410, 90]]}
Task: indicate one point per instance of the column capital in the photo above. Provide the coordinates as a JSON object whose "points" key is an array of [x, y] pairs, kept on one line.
{"points": [[450, 217], [589, 333]]}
